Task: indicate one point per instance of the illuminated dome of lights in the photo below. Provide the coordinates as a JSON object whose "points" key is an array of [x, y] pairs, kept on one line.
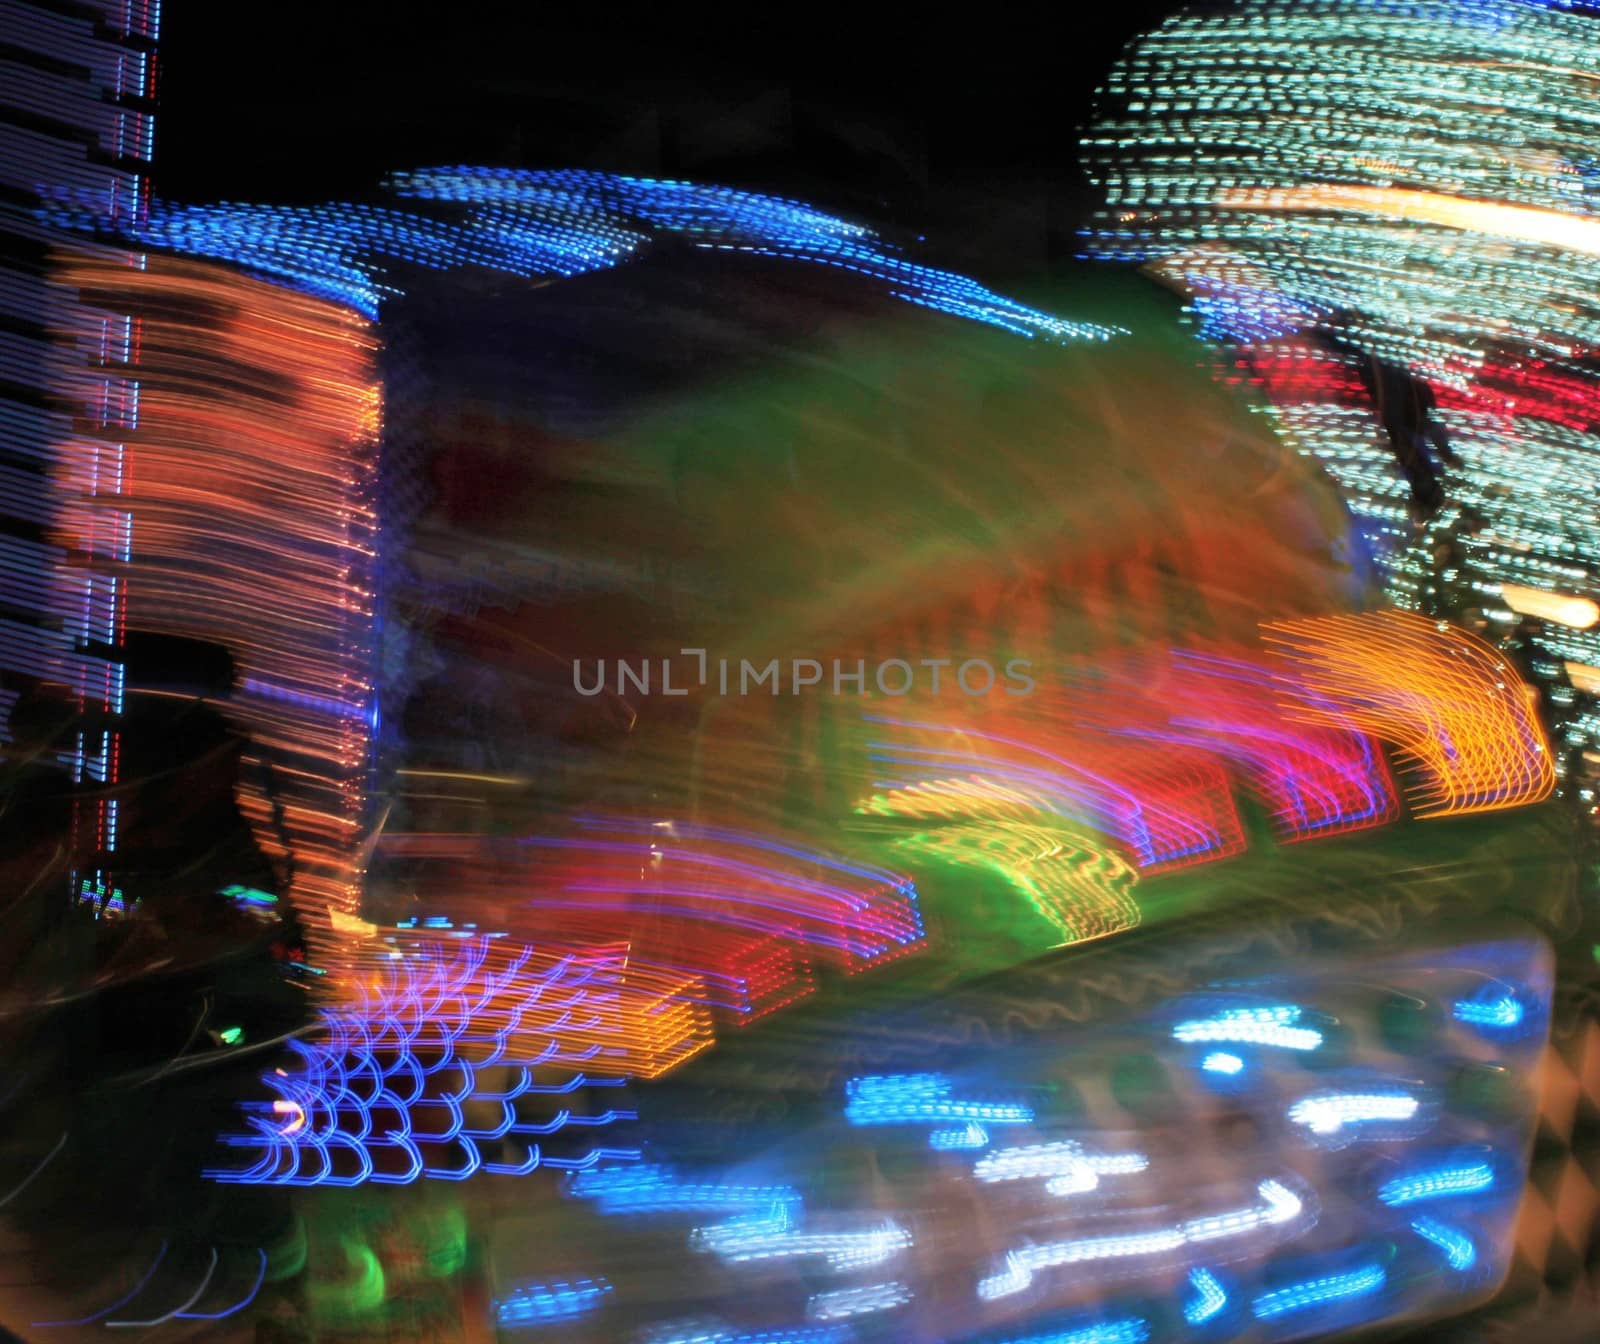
{"points": [[1423, 178]]}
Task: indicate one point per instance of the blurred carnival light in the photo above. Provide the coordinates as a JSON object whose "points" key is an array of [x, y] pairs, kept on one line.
{"points": [[422, 1075], [1239, 1150], [1578, 612], [1413, 189], [1441, 696], [1384, 1192], [245, 515]]}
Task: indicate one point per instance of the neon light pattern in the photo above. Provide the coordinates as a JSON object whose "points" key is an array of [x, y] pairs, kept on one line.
{"points": [[1318, 1293], [741, 974], [1312, 780], [841, 1304], [1445, 1182], [439, 1035], [716, 217], [652, 1190], [707, 919], [1278, 1206], [1076, 882], [546, 224], [1209, 1300], [1498, 1013], [922, 1098], [257, 531], [543, 1303], [963, 1138], [1331, 1113], [79, 90], [647, 1022], [853, 915], [745, 1240], [1273, 1027], [1444, 698], [1457, 1246], [1115, 1241], [1066, 1161], [1167, 808]]}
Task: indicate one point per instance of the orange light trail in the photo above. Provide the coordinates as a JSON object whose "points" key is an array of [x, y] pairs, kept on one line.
{"points": [[1525, 224], [630, 1021], [1445, 699], [249, 481]]}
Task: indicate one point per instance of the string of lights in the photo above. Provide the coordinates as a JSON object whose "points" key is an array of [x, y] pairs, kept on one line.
{"points": [[546, 225]]}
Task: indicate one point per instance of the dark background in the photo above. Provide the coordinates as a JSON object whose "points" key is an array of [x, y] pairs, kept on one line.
{"points": [[963, 129]]}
